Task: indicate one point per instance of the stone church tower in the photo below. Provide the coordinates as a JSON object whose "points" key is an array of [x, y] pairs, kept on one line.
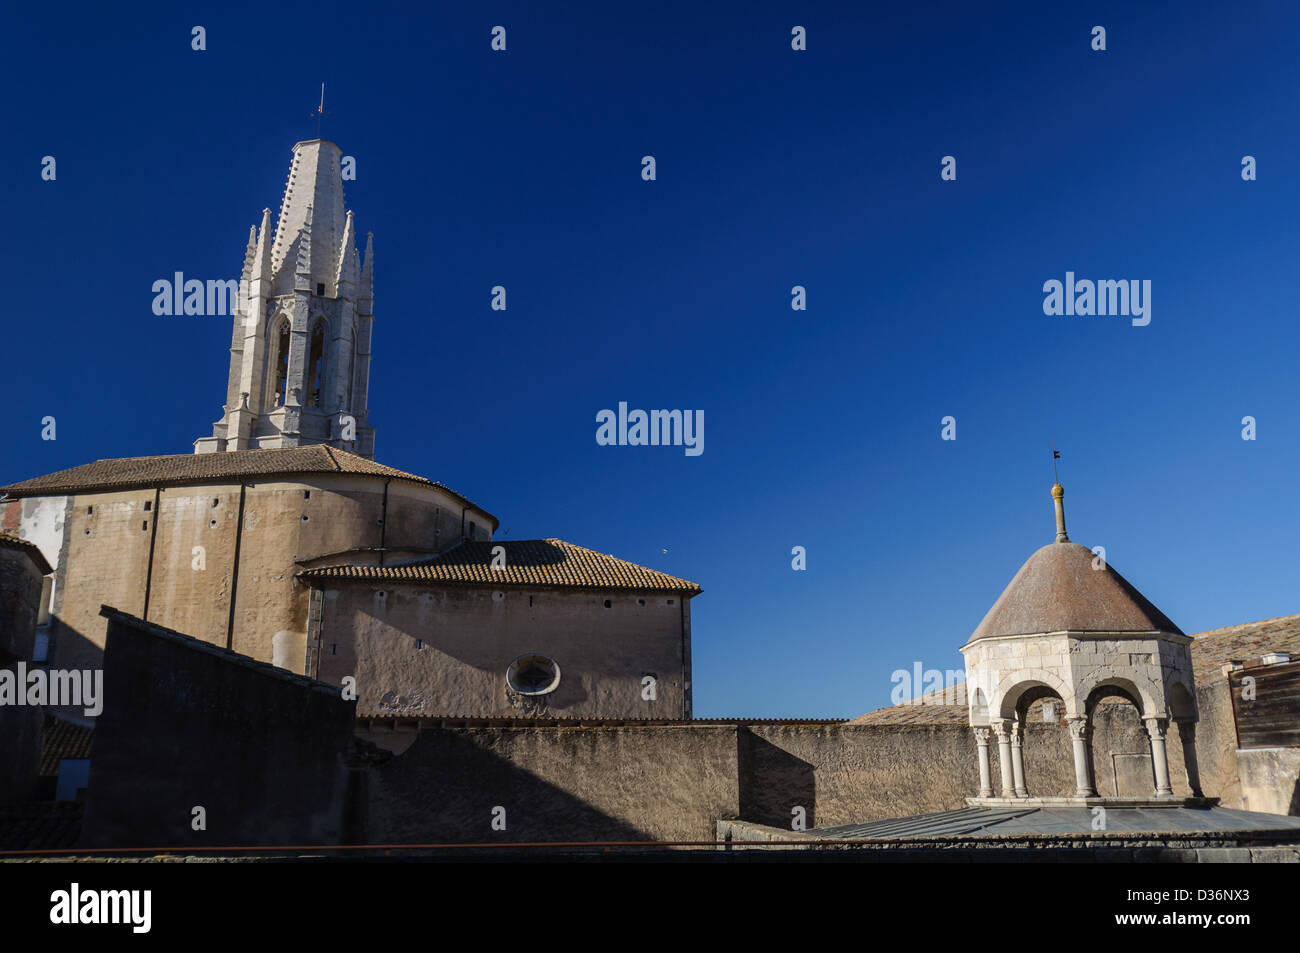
{"points": [[300, 353]]}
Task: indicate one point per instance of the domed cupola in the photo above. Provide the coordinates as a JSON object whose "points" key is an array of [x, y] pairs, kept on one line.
{"points": [[1070, 627]]}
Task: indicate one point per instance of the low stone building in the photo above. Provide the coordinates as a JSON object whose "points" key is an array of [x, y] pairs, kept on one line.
{"points": [[526, 627], [200, 747]]}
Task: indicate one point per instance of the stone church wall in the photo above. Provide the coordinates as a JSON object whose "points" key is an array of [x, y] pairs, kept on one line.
{"points": [[190, 577], [472, 634]]}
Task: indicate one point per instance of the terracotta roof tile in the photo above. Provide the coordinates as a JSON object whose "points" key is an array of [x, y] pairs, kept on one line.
{"points": [[62, 739], [1246, 643], [528, 562], [180, 468], [1057, 589]]}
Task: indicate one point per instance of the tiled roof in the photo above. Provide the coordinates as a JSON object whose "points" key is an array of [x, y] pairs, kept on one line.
{"points": [[926, 710], [62, 739], [179, 468], [1246, 643], [1000, 821], [1057, 589], [10, 541], [528, 562]]}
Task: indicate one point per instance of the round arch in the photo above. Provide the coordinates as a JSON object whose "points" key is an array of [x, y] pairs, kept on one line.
{"points": [[1182, 701], [1006, 697], [1146, 701]]}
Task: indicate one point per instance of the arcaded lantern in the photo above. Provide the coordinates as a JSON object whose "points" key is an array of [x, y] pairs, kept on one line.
{"points": [[1069, 627]]}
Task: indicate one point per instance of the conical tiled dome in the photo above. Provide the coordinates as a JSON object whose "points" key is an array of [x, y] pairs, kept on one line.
{"points": [[1058, 589]]}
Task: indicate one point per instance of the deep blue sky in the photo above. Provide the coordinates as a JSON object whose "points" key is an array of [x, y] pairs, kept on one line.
{"points": [[775, 168]]}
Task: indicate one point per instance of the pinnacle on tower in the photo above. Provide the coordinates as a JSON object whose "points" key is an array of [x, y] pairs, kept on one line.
{"points": [[368, 269], [349, 266]]}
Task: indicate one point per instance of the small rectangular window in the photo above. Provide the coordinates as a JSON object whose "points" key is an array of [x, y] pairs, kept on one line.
{"points": [[334, 648], [89, 510], [306, 494], [419, 643], [148, 505], [320, 290], [144, 525]]}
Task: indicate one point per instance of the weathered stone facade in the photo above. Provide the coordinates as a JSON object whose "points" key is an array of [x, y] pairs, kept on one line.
{"points": [[422, 650], [183, 557]]}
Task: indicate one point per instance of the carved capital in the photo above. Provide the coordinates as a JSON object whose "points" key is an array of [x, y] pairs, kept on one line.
{"points": [[982, 736], [1156, 728], [1079, 727]]}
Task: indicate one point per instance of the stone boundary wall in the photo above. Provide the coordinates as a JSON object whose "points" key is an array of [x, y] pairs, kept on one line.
{"points": [[186, 724], [674, 782], [555, 784]]}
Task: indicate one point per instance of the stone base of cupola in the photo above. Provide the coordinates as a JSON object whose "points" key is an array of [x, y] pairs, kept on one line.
{"points": [[1109, 802]]}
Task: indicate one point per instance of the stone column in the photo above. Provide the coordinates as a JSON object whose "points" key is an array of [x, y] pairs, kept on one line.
{"points": [[1001, 728], [1187, 733], [1159, 758], [982, 745], [1017, 759], [1082, 775]]}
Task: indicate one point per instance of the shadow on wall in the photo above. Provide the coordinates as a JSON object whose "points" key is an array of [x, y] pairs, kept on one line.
{"points": [[201, 747], [72, 650], [451, 787], [774, 782]]}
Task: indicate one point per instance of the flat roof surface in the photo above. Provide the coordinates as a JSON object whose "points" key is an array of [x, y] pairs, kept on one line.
{"points": [[999, 821]]}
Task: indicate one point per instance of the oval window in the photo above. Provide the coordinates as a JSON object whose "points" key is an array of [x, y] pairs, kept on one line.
{"points": [[533, 675]]}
